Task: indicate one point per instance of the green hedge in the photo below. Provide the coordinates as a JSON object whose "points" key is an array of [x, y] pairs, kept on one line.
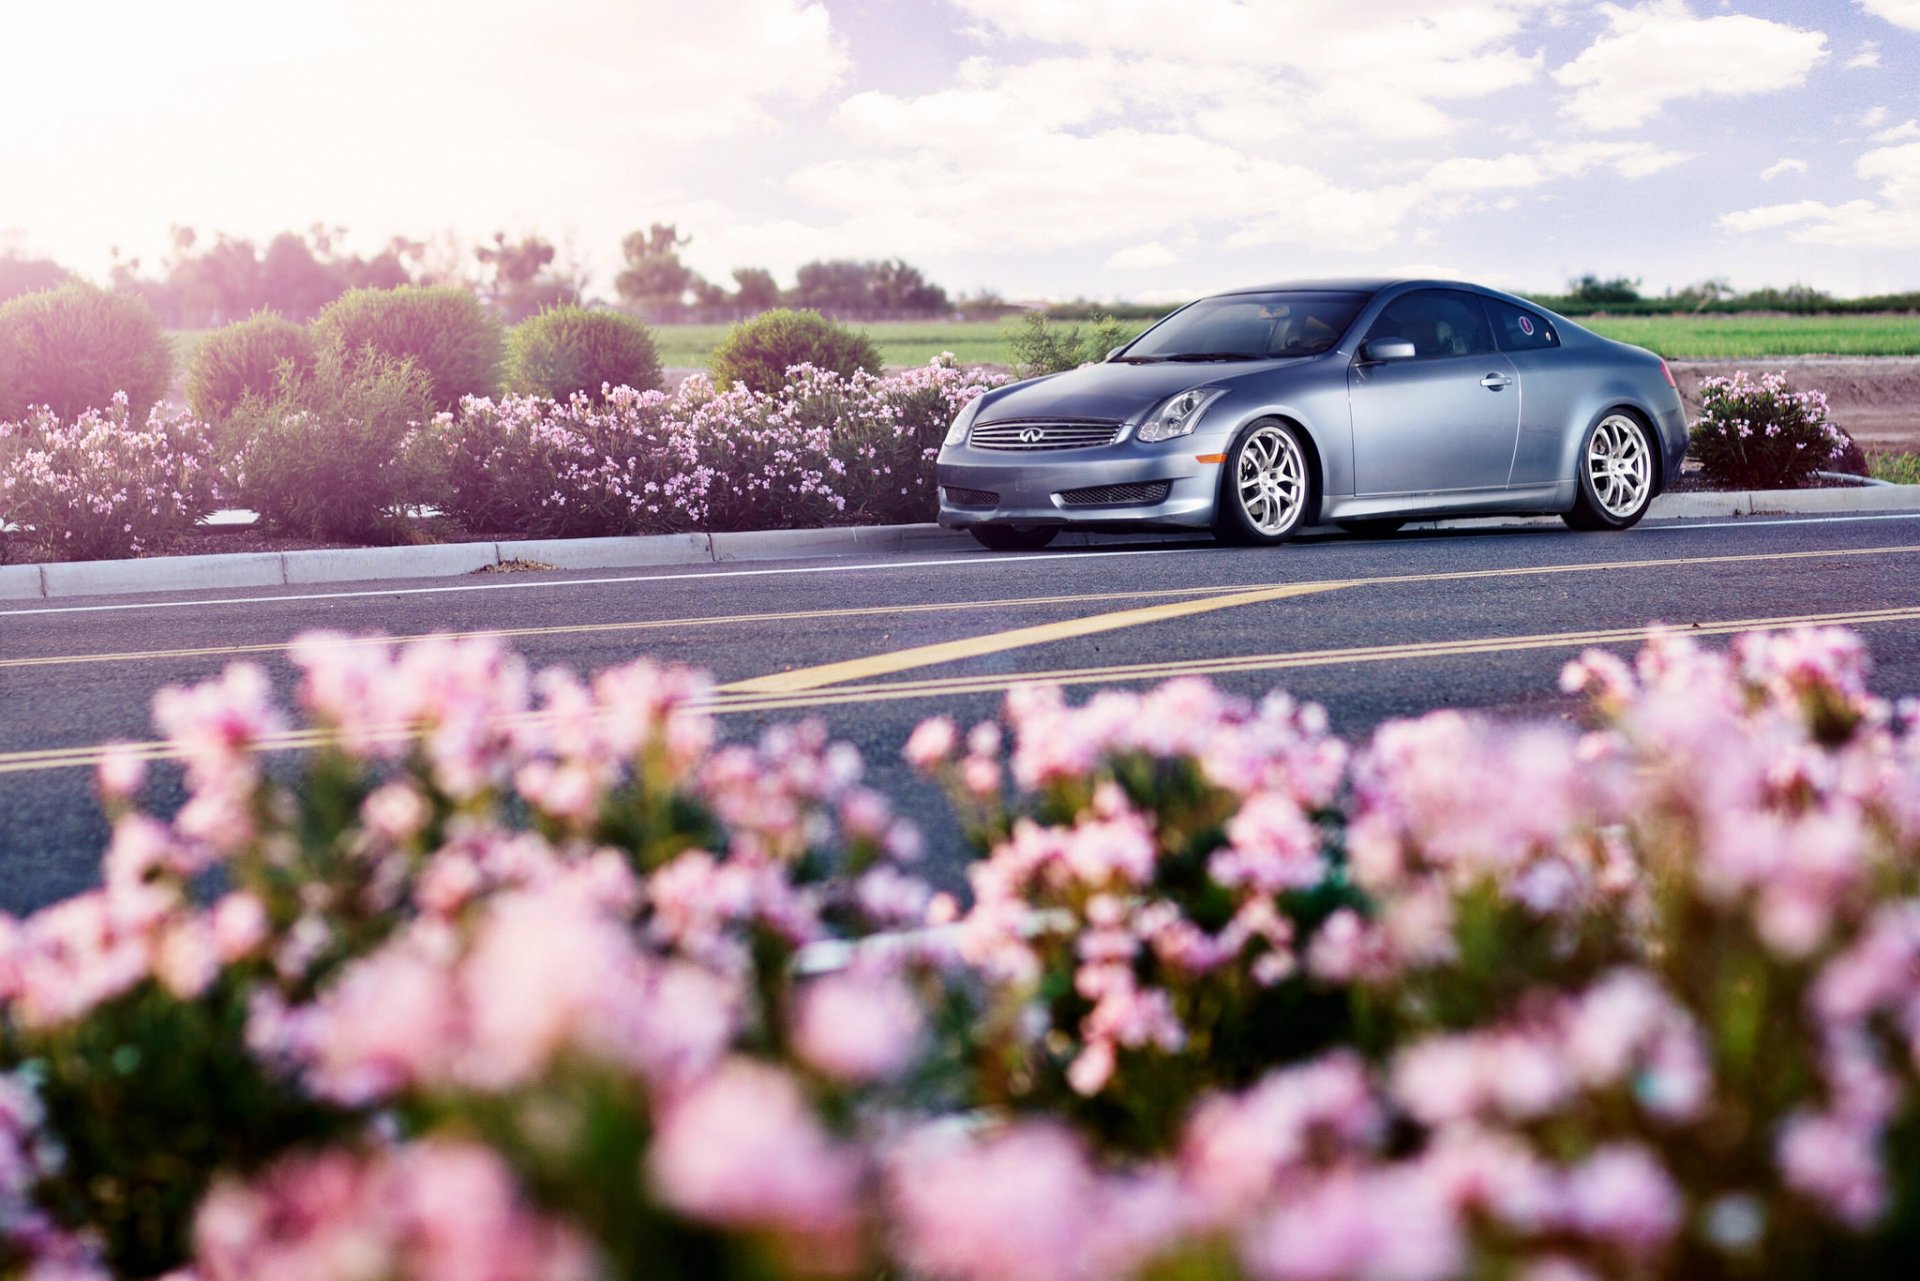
{"points": [[444, 331], [72, 348], [564, 350]]}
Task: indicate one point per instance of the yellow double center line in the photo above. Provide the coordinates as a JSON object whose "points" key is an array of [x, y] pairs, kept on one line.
{"points": [[827, 685]]}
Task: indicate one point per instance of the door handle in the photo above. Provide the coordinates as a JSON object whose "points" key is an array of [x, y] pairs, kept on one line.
{"points": [[1494, 382]]}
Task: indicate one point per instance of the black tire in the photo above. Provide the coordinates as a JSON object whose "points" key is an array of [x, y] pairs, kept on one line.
{"points": [[1013, 538], [1370, 528], [1274, 517], [1629, 482]]}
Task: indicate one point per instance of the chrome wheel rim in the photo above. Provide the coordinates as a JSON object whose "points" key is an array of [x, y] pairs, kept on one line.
{"points": [[1620, 465], [1271, 480]]}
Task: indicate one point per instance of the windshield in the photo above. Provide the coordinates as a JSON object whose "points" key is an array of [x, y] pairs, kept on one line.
{"points": [[1250, 327]]}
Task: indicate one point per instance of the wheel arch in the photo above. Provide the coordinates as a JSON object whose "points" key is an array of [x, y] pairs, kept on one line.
{"points": [[1309, 445], [1648, 424]]}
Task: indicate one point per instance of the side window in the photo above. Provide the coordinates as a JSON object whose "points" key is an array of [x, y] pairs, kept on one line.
{"points": [[1519, 329], [1438, 322]]}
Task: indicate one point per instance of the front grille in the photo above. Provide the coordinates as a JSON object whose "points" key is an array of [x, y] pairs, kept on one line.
{"points": [[960, 496], [1141, 495], [1029, 435]]}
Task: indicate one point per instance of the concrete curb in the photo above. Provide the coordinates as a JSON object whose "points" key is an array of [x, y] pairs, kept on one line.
{"points": [[447, 560]]}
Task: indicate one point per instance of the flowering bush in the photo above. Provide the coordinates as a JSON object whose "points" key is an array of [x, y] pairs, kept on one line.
{"points": [[821, 450], [101, 484], [526, 975], [1149, 892], [1762, 434]]}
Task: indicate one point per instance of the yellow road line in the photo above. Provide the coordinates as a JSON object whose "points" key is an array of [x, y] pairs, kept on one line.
{"points": [[855, 669], [636, 625], [935, 607], [800, 700], [993, 683], [901, 660]]}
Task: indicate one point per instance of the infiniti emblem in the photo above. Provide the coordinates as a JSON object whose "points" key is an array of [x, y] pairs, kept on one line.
{"points": [[1030, 435]]}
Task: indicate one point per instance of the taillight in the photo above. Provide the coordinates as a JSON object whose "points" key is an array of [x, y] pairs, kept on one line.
{"points": [[1668, 375]]}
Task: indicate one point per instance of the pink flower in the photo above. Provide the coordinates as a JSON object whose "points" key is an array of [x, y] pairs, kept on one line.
{"points": [[741, 1150], [857, 1026], [931, 743], [1020, 1205]]}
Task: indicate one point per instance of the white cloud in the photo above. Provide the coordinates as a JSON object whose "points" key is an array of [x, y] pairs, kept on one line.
{"points": [[1867, 55], [1901, 13], [1900, 132], [1142, 257], [1377, 67], [1784, 165], [1891, 222], [1659, 53], [1873, 117]]}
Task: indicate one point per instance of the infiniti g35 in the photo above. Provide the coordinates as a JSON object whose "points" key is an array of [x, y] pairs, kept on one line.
{"points": [[1362, 403]]}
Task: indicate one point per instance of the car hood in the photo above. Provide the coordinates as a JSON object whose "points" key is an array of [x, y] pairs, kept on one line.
{"points": [[1116, 392]]}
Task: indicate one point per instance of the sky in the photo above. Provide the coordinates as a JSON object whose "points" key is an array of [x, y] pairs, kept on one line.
{"points": [[1110, 149]]}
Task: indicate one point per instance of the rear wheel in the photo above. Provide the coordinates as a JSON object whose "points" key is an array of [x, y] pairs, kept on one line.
{"points": [[1370, 528], [1267, 489], [1013, 538], [1615, 483]]}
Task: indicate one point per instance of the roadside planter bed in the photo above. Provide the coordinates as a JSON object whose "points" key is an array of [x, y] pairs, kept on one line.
{"points": [[520, 975], [821, 450]]}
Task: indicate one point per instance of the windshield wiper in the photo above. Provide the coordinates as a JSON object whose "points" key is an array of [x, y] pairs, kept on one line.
{"points": [[1217, 355], [1135, 360]]}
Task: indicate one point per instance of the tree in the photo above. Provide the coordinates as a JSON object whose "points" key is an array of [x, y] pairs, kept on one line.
{"points": [[523, 284], [293, 281], [840, 284], [756, 288], [847, 286], [1591, 289], [654, 275], [899, 287]]}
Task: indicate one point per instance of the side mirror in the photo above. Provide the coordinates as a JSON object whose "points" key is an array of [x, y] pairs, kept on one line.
{"points": [[1380, 349], [1116, 351]]}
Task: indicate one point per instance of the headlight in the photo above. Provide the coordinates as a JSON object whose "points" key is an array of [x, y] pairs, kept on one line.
{"points": [[963, 421], [1179, 414]]}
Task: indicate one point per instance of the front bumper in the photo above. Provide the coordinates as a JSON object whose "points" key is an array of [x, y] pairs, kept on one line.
{"points": [[1027, 490]]}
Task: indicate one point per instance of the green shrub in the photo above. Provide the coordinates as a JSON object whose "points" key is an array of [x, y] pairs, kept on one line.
{"points": [[453, 341], [72, 348], [758, 352], [570, 349], [1761, 434], [1901, 469], [329, 456], [245, 359], [1041, 347]]}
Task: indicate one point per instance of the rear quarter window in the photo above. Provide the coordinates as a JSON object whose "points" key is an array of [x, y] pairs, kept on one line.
{"points": [[1519, 329]]}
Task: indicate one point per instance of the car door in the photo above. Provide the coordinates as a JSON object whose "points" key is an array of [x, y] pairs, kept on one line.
{"points": [[1446, 419]]}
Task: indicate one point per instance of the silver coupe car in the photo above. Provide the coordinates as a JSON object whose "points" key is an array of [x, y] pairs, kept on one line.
{"points": [[1360, 403]]}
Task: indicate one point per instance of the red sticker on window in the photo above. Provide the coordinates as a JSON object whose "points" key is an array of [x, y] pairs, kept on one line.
{"points": [[1526, 325]]}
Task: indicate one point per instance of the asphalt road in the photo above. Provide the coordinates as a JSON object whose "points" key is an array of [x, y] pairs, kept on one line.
{"points": [[1371, 629]]}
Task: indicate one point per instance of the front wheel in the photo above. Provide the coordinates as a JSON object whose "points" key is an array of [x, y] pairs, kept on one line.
{"points": [[1267, 489], [1013, 538], [1615, 484]]}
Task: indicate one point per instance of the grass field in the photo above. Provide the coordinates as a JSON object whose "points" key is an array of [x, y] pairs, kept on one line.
{"points": [[1680, 337], [1747, 337]]}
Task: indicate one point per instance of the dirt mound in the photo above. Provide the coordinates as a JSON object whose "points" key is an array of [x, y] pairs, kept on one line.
{"points": [[1877, 401]]}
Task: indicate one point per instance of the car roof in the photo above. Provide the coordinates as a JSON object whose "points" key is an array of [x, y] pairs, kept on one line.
{"points": [[1330, 284]]}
